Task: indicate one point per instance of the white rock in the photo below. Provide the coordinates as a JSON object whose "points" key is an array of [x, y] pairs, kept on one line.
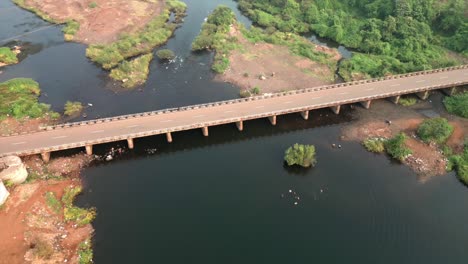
{"points": [[13, 170], [3, 193]]}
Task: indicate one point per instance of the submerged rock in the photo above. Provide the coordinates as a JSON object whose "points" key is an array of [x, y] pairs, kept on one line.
{"points": [[12, 169], [3, 193]]}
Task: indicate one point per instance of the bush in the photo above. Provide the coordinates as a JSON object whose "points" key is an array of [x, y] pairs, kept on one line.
{"points": [[70, 29], [42, 249], [376, 145], [396, 147], [255, 90], [73, 108], [85, 252], [244, 93], [7, 56], [19, 99], [133, 73], [165, 54], [303, 155], [92, 5], [435, 130], [457, 104], [407, 100], [460, 164]]}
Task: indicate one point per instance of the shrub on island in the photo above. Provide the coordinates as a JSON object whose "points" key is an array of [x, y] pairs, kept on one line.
{"points": [[165, 54], [376, 145], [73, 108], [302, 155], [396, 147], [435, 130]]}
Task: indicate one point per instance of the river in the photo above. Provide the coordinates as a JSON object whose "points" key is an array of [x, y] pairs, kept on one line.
{"points": [[225, 198]]}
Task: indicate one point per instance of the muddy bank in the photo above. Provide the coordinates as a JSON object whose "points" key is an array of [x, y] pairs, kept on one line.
{"points": [[38, 232], [273, 68], [385, 119]]}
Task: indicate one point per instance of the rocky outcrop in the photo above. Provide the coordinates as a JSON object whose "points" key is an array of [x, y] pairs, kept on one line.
{"points": [[13, 170], [3, 193]]}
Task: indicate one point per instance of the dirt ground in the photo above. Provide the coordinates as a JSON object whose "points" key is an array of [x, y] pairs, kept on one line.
{"points": [[27, 222], [426, 160], [281, 70], [105, 22], [12, 125]]}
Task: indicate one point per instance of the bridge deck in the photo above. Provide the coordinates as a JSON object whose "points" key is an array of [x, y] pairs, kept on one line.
{"points": [[227, 112]]}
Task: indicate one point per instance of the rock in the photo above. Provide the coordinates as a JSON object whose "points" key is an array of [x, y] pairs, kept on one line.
{"points": [[13, 170], [3, 193], [262, 77]]}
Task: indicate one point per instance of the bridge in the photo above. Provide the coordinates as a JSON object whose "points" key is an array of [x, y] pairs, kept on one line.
{"points": [[128, 127]]}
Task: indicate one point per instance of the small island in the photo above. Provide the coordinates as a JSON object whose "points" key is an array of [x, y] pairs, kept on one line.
{"points": [[302, 155], [8, 56]]}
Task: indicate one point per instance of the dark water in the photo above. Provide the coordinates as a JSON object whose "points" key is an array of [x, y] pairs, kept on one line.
{"points": [[218, 199]]}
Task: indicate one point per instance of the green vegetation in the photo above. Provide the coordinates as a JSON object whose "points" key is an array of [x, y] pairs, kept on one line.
{"points": [[407, 100], [73, 108], [75, 214], [457, 104], [390, 36], [165, 54], [396, 147], [85, 252], [460, 164], [256, 90], [92, 5], [436, 130], [19, 99], [53, 202], [70, 29], [376, 145], [7, 56], [134, 72], [153, 34], [214, 35], [303, 155]]}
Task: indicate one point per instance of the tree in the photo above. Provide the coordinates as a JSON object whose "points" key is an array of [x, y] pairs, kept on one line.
{"points": [[298, 154], [435, 130]]}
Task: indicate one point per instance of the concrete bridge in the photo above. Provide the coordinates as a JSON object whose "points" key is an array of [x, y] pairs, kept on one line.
{"points": [[128, 127]]}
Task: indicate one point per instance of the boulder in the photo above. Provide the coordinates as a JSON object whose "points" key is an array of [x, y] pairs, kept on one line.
{"points": [[12, 169], [3, 193]]}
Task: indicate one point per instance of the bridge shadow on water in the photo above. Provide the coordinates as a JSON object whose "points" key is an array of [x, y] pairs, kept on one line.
{"points": [[218, 135]]}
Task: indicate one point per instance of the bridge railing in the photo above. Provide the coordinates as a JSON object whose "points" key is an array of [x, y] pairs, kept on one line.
{"points": [[240, 100]]}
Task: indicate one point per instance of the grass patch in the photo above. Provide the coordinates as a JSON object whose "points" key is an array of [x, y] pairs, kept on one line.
{"points": [[19, 99], [457, 104], [92, 5], [70, 29], [165, 54], [408, 100], [42, 249], [460, 164], [436, 130], [376, 145], [396, 148], [75, 214], [44, 16], [53, 203], [302, 155], [134, 72], [73, 108], [155, 33], [7, 56], [85, 252]]}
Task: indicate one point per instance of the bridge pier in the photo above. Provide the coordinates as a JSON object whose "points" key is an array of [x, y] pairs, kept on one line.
{"points": [[305, 115], [130, 143], [169, 137], [240, 125], [45, 156], [205, 131], [272, 120], [336, 109], [449, 91], [423, 95], [89, 149], [366, 104], [395, 99]]}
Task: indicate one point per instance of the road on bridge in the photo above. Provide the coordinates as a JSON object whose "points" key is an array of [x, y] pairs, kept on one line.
{"points": [[243, 110]]}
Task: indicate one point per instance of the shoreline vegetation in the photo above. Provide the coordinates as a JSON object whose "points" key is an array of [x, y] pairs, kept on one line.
{"points": [[7, 56], [302, 155], [389, 37], [234, 44]]}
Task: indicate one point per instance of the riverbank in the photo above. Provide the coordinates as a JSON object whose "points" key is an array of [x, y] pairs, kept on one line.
{"points": [[43, 226], [385, 120]]}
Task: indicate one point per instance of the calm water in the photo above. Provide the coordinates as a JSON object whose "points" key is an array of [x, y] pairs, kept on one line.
{"points": [[218, 199]]}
